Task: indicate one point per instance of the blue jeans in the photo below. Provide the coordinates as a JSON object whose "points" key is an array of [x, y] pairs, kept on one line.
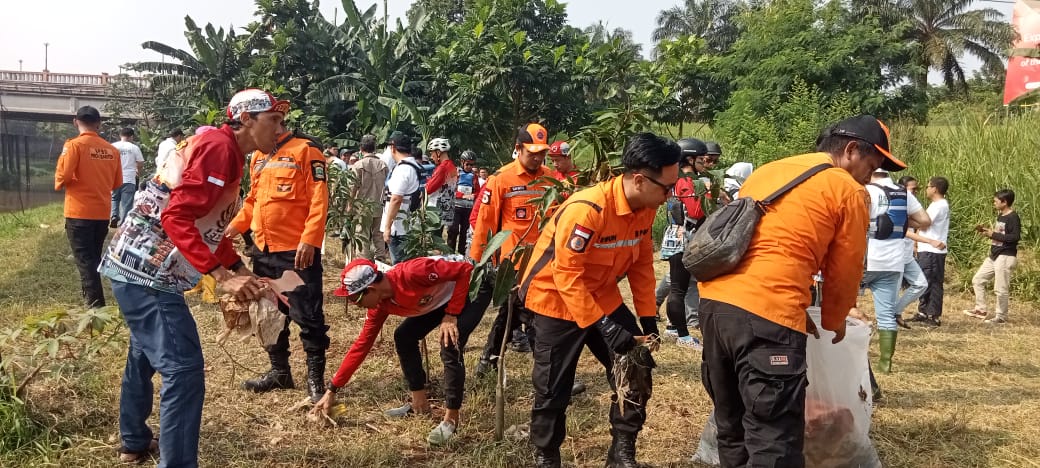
{"points": [[123, 200], [163, 338], [885, 286], [916, 285]]}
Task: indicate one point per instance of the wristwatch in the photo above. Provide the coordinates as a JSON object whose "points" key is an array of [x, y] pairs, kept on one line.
{"points": [[332, 388]]}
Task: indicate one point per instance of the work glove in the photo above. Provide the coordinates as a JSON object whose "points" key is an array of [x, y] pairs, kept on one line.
{"points": [[618, 339], [649, 325]]}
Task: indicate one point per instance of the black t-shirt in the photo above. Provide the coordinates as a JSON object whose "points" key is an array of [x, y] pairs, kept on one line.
{"points": [[1006, 233]]}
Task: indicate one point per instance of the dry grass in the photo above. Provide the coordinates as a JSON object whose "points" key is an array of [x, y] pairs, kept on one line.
{"points": [[965, 395]]}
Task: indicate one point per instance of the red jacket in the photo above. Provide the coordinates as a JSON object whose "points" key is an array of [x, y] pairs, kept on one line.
{"points": [[440, 175], [421, 286], [686, 194], [210, 183]]}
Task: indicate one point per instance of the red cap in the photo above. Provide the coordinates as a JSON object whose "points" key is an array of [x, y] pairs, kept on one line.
{"points": [[254, 100], [559, 148]]}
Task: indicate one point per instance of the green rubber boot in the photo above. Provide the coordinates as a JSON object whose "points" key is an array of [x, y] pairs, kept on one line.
{"points": [[887, 344]]}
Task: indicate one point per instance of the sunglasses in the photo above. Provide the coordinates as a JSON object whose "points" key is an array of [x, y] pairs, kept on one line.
{"points": [[667, 188], [358, 298]]}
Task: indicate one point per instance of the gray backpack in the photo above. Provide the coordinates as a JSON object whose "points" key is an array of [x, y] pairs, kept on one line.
{"points": [[723, 239]]}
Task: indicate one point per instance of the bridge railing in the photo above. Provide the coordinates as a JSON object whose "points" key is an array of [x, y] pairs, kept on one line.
{"points": [[68, 78]]}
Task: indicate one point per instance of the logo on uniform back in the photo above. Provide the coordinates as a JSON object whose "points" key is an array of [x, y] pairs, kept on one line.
{"points": [[579, 239], [101, 154], [778, 360]]}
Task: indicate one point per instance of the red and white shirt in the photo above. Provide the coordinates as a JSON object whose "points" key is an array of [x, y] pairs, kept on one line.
{"points": [[421, 286]]}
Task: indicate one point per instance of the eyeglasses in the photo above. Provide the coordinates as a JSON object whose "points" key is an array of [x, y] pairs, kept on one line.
{"points": [[667, 188], [360, 296]]}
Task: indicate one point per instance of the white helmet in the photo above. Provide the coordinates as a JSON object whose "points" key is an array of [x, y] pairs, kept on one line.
{"points": [[439, 144]]}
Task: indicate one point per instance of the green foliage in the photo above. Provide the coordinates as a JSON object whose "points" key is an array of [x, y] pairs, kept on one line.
{"points": [[789, 126], [349, 213], [61, 336]]}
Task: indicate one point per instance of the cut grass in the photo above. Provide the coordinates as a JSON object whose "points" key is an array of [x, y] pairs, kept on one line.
{"points": [[963, 395]]}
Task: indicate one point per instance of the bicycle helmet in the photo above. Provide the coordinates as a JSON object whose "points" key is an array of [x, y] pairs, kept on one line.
{"points": [[439, 144], [692, 147], [468, 155], [713, 148]]}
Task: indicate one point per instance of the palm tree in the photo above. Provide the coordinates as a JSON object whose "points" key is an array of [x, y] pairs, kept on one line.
{"points": [[209, 74], [944, 30], [711, 20]]}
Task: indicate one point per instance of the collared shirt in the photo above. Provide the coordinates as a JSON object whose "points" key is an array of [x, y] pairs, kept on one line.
{"points": [[88, 170], [372, 173], [288, 200], [421, 286], [819, 225], [505, 205], [594, 239]]}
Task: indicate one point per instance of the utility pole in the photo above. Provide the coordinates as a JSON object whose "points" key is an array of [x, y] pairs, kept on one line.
{"points": [[46, 54], [19, 64]]}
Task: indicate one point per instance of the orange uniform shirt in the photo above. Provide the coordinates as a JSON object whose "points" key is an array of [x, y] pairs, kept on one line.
{"points": [[506, 206], [88, 169], [288, 197], [593, 241], [819, 225]]}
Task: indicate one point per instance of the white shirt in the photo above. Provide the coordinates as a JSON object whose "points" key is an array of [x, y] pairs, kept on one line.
{"points": [[339, 163], [887, 255], [165, 148], [939, 211], [404, 180], [388, 158], [129, 156]]}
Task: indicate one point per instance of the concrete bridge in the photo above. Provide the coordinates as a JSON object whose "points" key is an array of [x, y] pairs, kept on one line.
{"points": [[54, 97]]}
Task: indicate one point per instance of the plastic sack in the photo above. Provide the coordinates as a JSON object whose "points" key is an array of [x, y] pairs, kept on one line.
{"points": [[838, 404]]}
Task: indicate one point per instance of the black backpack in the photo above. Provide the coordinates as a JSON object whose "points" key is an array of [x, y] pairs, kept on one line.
{"points": [[414, 199]]}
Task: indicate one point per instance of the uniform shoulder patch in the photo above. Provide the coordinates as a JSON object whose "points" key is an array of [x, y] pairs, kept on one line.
{"points": [[486, 198], [318, 171], [579, 239]]}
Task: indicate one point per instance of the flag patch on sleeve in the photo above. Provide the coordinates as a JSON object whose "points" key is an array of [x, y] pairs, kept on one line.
{"points": [[579, 239], [215, 181]]}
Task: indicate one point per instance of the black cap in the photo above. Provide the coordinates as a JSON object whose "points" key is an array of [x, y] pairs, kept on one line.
{"points": [[88, 114], [869, 129], [401, 142]]}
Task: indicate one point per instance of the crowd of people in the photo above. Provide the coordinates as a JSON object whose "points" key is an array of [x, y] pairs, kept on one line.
{"points": [[178, 224]]}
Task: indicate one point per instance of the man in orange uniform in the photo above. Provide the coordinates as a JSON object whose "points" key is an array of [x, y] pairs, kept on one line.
{"points": [[505, 205], [596, 237], [754, 318], [286, 209], [88, 170]]}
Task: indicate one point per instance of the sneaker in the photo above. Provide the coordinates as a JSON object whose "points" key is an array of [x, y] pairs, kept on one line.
{"points": [[401, 412], [901, 323], [670, 331], [521, 346], [113, 223], [976, 313], [484, 367], [931, 322], [689, 342], [441, 434], [918, 318], [995, 321]]}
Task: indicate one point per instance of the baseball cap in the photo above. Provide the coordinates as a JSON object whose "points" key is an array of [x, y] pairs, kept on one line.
{"points": [[871, 130], [88, 114], [559, 148], [400, 141], [254, 100], [533, 138], [357, 276]]}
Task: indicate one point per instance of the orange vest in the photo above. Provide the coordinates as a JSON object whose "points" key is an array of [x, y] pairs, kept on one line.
{"points": [[506, 206], [288, 196], [593, 240]]}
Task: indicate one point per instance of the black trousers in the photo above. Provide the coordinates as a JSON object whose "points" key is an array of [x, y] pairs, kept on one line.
{"points": [[754, 371], [406, 341], [679, 284], [305, 302], [87, 239], [501, 327], [934, 267], [556, 352], [457, 230]]}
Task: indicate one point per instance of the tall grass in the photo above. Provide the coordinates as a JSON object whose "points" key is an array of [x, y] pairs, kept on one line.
{"points": [[979, 156]]}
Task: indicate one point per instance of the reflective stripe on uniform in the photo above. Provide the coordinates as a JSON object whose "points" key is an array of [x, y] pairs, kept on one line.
{"points": [[617, 244], [522, 193]]}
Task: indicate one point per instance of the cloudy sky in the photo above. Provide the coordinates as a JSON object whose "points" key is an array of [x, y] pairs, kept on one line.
{"points": [[98, 36]]}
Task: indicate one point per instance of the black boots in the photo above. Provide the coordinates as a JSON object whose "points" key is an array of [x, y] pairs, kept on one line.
{"points": [[547, 458], [279, 377], [622, 453], [315, 376]]}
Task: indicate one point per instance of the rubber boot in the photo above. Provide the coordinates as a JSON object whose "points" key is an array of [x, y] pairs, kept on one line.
{"points": [[611, 457], [887, 344], [279, 377], [315, 376], [623, 454]]}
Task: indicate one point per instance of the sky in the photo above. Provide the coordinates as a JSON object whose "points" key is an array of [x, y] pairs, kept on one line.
{"points": [[99, 36]]}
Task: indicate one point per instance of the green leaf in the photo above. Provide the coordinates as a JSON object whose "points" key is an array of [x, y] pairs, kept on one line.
{"points": [[493, 244], [519, 37]]}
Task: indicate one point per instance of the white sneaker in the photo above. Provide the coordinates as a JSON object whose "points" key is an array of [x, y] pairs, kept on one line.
{"points": [[400, 412], [441, 434], [671, 332], [690, 342]]}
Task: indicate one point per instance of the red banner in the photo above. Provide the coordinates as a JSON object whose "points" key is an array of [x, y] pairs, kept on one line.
{"points": [[1023, 73]]}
